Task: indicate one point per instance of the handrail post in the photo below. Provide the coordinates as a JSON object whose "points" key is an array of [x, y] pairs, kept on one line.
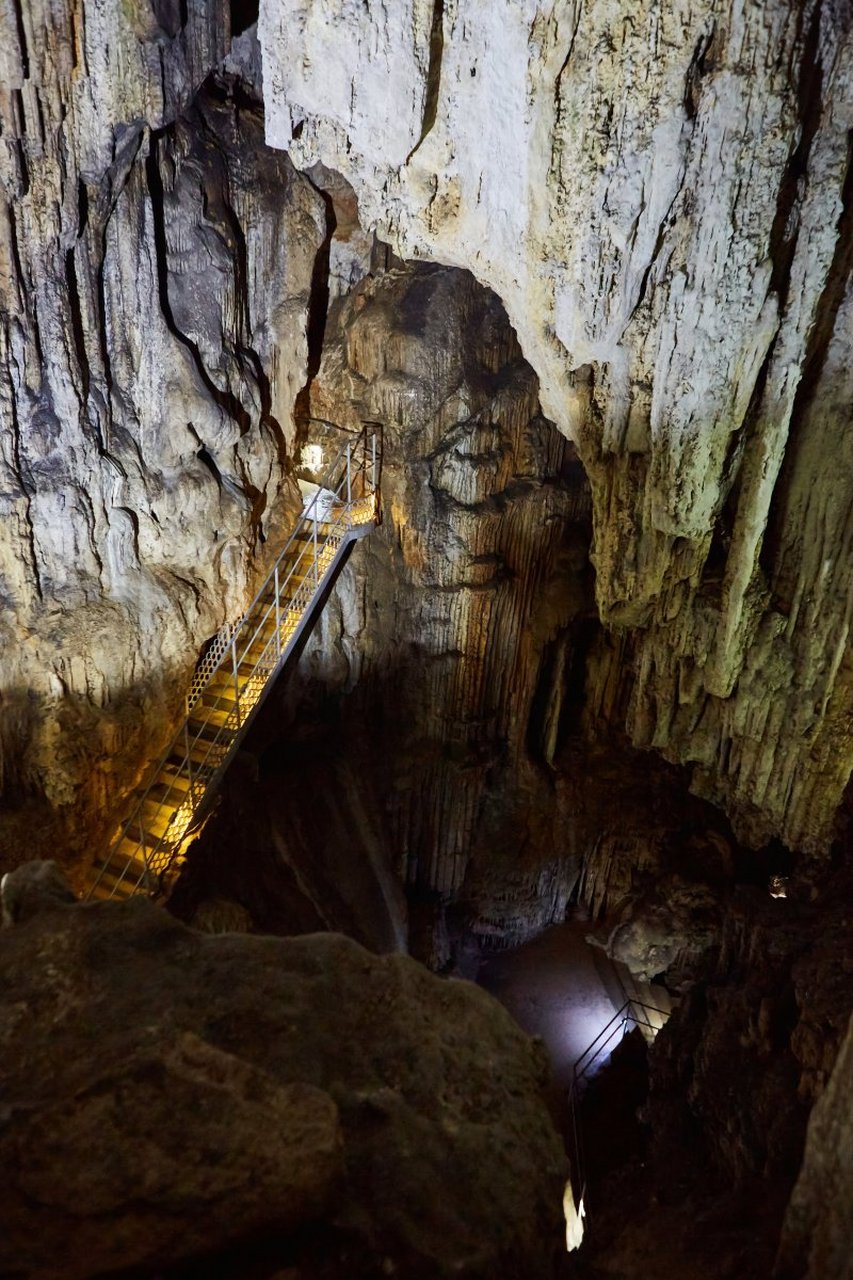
{"points": [[187, 754], [373, 467], [277, 616], [236, 679], [349, 482], [316, 560]]}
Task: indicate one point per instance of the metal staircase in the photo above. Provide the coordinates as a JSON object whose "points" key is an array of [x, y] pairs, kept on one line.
{"points": [[236, 673], [648, 1019]]}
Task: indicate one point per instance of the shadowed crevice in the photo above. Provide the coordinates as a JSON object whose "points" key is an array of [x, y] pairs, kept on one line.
{"points": [[433, 82]]}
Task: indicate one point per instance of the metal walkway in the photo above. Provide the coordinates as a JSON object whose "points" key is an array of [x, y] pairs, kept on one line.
{"points": [[649, 1020], [236, 673]]}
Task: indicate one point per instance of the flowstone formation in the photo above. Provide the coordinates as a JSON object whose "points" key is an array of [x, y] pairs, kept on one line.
{"points": [[455, 705], [439, 648], [661, 199], [156, 263], [258, 1106]]}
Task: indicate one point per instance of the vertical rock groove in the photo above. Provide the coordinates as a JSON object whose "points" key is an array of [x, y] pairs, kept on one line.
{"points": [[648, 193], [129, 311], [432, 87]]}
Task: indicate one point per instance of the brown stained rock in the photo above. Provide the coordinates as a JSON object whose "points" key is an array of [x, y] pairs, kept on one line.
{"points": [[219, 915], [170, 1151], [167, 1093]]}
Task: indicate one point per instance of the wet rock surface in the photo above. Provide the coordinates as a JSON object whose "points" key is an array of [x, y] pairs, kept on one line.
{"points": [[169, 1095]]}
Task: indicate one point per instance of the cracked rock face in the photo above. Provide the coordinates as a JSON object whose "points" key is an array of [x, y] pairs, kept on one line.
{"points": [[661, 199], [155, 269]]}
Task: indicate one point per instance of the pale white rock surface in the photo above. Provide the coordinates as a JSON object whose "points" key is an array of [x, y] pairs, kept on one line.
{"points": [[155, 270], [657, 193]]}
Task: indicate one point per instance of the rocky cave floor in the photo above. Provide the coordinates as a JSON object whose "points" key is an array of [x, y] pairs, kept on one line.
{"points": [[693, 1147], [149, 1058]]}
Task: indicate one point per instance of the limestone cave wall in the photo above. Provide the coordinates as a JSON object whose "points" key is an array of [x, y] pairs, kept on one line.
{"points": [[156, 264], [661, 202], [609, 602], [661, 199], [452, 727]]}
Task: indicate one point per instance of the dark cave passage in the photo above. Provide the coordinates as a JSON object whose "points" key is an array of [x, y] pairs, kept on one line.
{"points": [[561, 989]]}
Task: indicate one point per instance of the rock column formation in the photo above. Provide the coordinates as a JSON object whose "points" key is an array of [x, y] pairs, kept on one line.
{"points": [[660, 196]]}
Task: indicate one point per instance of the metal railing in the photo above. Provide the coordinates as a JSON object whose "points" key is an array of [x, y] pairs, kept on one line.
{"points": [[633, 1013], [237, 670]]}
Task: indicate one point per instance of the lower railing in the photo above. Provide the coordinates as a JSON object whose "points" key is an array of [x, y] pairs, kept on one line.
{"points": [[632, 1014]]}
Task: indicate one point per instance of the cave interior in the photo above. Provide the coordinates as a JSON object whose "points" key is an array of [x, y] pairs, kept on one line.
{"points": [[498, 918]]}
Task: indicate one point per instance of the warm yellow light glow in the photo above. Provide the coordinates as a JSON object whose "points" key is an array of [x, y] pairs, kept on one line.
{"points": [[574, 1219], [258, 641], [180, 821], [363, 510]]}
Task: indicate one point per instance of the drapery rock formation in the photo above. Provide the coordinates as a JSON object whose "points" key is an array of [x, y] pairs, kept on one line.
{"points": [[438, 637], [673, 250], [167, 1095], [156, 262], [455, 705], [661, 199]]}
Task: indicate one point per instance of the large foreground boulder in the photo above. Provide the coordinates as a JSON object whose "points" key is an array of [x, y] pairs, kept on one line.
{"points": [[253, 1105]]}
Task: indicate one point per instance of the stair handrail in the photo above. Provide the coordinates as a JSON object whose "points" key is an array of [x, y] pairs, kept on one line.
{"points": [[622, 1017], [345, 452], [217, 754]]}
